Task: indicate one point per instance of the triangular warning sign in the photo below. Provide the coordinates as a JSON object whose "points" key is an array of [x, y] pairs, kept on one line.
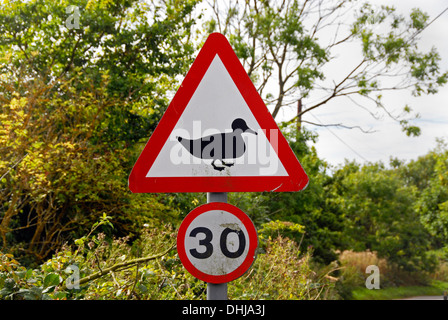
{"points": [[217, 135]]}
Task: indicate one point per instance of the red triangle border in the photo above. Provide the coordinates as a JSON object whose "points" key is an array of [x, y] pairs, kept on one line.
{"points": [[216, 44]]}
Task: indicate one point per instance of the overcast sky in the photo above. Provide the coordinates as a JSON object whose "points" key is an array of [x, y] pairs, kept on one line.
{"points": [[336, 144]]}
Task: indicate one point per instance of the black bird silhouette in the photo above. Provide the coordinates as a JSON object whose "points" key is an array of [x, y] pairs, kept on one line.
{"points": [[220, 146]]}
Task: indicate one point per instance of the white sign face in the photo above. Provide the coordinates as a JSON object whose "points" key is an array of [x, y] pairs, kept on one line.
{"points": [[216, 242], [216, 111], [217, 135]]}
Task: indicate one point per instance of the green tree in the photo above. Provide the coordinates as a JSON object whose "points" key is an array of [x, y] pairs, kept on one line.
{"points": [[286, 45], [141, 46], [380, 216], [322, 221], [432, 204], [77, 101]]}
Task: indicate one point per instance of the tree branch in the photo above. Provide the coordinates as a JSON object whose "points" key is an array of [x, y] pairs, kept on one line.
{"points": [[338, 125], [119, 267]]}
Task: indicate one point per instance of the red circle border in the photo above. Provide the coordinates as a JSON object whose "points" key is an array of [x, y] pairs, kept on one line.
{"points": [[253, 242]]}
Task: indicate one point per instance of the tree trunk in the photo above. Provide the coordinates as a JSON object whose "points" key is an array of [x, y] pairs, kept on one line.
{"points": [[299, 115]]}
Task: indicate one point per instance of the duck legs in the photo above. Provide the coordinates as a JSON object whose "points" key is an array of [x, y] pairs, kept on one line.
{"points": [[225, 164]]}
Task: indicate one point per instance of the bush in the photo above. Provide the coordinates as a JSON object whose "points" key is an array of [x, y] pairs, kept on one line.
{"points": [[281, 273], [353, 272], [149, 268], [277, 228]]}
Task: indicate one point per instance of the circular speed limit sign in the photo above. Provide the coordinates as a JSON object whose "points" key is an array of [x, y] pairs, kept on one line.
{"points": [[216, 242]]}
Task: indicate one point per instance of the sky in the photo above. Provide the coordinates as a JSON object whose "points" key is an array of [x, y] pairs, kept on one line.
{"points": [[336, 144]]}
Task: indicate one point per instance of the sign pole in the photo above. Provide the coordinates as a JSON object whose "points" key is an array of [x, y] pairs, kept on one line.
{"points": [[216, 291], [204, 247]]}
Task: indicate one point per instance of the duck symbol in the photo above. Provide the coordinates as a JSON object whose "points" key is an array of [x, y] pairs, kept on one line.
{"points": [[220, 146]]}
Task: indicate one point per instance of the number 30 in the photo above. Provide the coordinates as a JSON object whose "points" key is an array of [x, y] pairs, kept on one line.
{"points": [[206, 242]]}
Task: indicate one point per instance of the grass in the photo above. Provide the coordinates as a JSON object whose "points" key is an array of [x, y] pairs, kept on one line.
{"points": [[354, 265], [435, 289]]}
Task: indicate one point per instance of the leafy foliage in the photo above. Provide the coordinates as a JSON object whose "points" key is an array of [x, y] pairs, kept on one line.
{"points": [[322, 222], [77, 104], [286, 45], [432, 205], [380, 209], [161, 277]]}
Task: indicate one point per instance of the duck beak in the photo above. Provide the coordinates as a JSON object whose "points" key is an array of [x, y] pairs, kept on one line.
{"points": [[249, 130]]}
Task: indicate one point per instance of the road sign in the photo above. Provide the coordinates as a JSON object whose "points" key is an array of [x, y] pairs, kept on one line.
{"points": [[216, 242], [217, 135]]}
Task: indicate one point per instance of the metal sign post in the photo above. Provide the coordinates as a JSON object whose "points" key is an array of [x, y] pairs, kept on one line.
{"points": [[246, 152], [216, 291], [217, 244]]}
